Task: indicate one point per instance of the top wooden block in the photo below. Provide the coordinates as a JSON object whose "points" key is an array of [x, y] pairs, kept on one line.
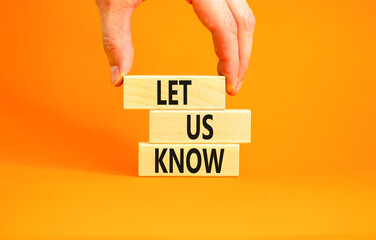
{"points": [[174, 92]]}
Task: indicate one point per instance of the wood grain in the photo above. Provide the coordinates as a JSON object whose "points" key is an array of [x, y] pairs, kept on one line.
{"points": [[222, 126], [204, 92], [188, 159]]}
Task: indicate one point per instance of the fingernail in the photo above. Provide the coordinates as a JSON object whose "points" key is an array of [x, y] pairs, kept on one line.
{"points": [[115, 75], [230, 87], [237, 88]]}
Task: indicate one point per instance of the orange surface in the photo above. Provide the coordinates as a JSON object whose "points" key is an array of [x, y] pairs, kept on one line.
{"points": [[68, 151]]}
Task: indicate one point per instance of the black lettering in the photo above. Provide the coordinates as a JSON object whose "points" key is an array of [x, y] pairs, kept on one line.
{"points": [[185, 84], [159, 160], [208, 127], [172, 92], [173, 158], [197, 168], [189, 127], [213, 156], [160, 101]]}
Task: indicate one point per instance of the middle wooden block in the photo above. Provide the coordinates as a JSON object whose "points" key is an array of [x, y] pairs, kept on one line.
{"points": [[200, 126]]}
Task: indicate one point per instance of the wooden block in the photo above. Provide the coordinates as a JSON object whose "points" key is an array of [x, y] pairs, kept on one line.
{"points": [[200, 126], [188, 159], [174, 92]]}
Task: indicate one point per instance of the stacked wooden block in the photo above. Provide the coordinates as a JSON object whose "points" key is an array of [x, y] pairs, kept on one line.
{"points": [[191, 133]]}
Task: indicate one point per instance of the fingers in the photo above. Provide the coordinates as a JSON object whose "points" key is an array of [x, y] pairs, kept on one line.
{"points": [[217, 17], [232, 24], [245, 21], [117, 39]]}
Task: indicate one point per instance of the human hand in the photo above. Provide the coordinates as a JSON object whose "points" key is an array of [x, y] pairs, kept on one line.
{"points": [[231, 23]]}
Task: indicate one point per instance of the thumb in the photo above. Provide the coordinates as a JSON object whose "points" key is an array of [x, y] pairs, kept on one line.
{"points": [[117, 40]]}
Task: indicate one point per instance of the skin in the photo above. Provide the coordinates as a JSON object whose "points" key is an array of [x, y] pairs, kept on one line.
{"points": [[231, 23]]}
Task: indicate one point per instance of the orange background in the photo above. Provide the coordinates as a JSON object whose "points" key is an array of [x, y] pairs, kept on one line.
{"points": [[68, 151]]}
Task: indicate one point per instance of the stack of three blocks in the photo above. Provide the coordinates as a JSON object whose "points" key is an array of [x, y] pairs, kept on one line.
{"points": [[191, 133]]}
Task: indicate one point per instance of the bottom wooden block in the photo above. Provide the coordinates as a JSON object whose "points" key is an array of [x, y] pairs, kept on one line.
{"points": [[188, 159]]}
